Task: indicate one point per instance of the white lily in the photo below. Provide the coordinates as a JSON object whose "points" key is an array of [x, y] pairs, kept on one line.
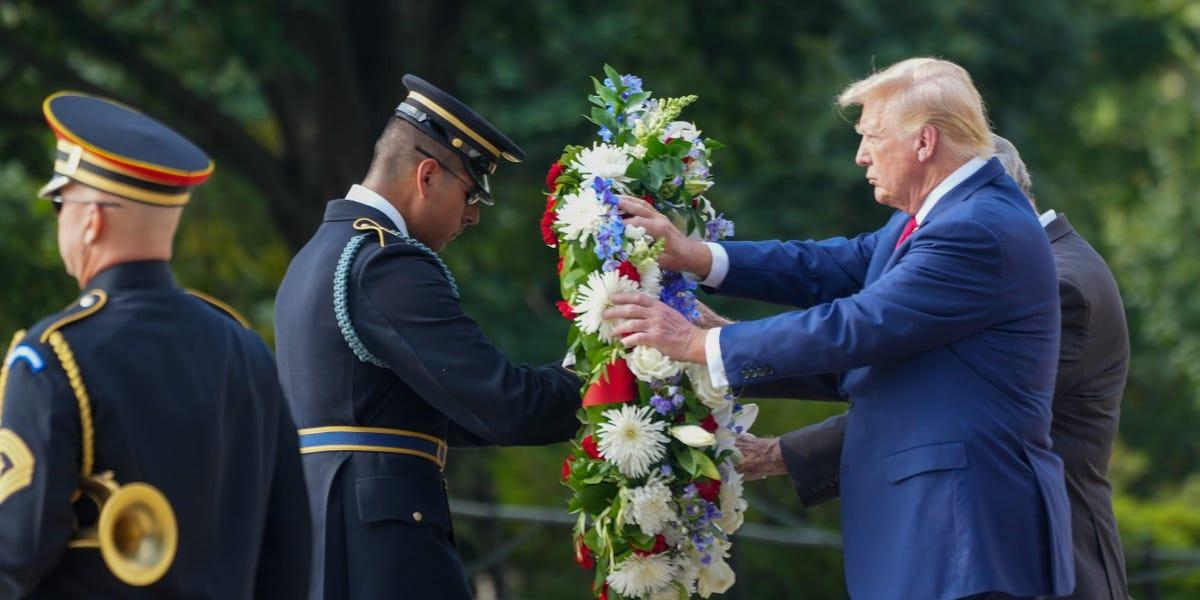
{"points": [[693, 435]]}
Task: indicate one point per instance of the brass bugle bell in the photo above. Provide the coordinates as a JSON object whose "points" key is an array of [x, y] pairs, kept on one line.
{"points": [[136, 531]]}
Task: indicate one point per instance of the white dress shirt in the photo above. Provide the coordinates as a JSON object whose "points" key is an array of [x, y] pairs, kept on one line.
{"points": [[1047, 218], [365, 195], [720, 264]]}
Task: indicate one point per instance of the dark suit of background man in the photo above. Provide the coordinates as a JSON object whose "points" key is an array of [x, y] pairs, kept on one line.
{"points": [[1092, 366], [143, 380], [382, 367]]}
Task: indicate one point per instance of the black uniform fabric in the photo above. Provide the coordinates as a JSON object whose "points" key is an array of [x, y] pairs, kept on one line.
{"points": [[381, 523], [182, 398]]}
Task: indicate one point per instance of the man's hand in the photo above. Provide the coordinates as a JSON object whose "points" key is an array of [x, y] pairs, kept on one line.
{"points": [[645, 321], [682, 253], [761, 457], [710, 319]]}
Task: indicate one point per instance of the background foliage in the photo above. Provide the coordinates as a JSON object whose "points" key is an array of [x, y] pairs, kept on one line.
{"points": [[1101, 97]]}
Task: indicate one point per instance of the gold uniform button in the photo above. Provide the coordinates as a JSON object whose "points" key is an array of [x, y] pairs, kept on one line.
{"points": [[417, 516]]}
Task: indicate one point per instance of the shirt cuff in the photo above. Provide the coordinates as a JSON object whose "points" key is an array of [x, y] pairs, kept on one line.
{"points": [[716, 364], [718, 270]]}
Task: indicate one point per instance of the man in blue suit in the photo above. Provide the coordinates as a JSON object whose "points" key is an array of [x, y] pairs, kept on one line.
{"points": [[945, 323]]}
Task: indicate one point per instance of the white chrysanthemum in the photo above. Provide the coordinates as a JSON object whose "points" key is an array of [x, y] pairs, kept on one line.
{"points": [[651, 276], [714, 398], [595, 297], [581, 215], [689, 570], [631, 440], [602, 160], [648, 364], [638, 576], [730, 501], [650, 506]]}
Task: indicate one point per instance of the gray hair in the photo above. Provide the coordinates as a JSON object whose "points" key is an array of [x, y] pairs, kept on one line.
{"points": [[1013, 165]]}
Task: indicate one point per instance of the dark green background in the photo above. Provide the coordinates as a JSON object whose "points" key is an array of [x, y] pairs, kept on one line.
{"points": [[1101, 97]]}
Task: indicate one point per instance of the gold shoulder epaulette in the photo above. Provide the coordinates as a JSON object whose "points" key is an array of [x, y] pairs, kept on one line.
{"points": [[88, 304], [225, 308]]}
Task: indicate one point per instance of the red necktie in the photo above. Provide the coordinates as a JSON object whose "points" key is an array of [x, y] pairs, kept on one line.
{"points": [[909, 228]]}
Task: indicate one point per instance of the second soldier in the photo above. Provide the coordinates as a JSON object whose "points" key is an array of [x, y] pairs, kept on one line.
{"points": [[383, 369]]}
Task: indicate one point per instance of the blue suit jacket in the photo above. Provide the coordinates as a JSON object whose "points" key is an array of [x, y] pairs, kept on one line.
{"points": [[949, 346]]}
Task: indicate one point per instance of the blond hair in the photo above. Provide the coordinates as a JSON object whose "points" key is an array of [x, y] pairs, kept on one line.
{"points": [[929, 91]]}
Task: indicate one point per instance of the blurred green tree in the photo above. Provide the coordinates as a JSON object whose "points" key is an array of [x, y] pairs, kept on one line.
{"points": [[1101, 96]]}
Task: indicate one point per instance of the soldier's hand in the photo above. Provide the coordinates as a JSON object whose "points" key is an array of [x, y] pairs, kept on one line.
{"points": [[761, 457], [681, 253], [645, 321]]}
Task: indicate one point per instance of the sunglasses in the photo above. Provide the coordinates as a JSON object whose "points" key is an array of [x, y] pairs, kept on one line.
{"points": [[475, 193], [58, 201]]}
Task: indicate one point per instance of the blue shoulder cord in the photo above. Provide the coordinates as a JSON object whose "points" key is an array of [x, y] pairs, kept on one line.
{"points": [[341, 276]]}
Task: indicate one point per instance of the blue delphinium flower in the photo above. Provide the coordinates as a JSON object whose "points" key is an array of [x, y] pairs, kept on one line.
{"points": [[678, 293], [718, 229], [605, 134], [662, 405]]}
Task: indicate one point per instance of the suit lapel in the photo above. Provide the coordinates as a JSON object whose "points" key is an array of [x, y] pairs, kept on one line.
{"points": [[885, 244], [959, 194]]}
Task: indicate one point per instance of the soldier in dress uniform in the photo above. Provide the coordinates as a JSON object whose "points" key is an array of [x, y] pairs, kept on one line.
{"points": [[145, 447], [383, 369]]}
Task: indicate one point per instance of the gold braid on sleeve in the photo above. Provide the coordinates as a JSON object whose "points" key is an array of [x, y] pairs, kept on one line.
{"points": [[67, 358]]}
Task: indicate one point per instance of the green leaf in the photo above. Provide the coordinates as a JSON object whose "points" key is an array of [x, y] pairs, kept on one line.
{"points": [[712, 144], [705, 465], [687, 460], [599, 116], [609, 96], [612, 74], [596, 498], [637, 98]]}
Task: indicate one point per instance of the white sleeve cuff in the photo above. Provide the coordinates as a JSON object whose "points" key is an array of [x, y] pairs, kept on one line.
{"points": [[720, 266], [712, 352], [718, 270]]}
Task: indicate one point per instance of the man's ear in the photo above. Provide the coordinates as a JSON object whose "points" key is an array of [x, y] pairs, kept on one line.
{"points": [[927, 142], [93, 224], [426, 171]]}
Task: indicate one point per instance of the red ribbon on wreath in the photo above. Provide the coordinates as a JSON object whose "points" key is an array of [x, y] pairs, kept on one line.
{"points": [[616, 384]]}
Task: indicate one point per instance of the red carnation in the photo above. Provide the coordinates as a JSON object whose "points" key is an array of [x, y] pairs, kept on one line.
{"points": [[583, 555], [648, 198], [708, 489], [709, 424], [548, 219], [660, 546], [565, 309], [566, 466], [591, 447], [603, 592], [629, 271], [552, 175]]}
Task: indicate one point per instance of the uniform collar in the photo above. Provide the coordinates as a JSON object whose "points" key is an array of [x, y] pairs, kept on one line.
{"points": [[1058, 227], [958, 176], [365, 195], [139, 275]]}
